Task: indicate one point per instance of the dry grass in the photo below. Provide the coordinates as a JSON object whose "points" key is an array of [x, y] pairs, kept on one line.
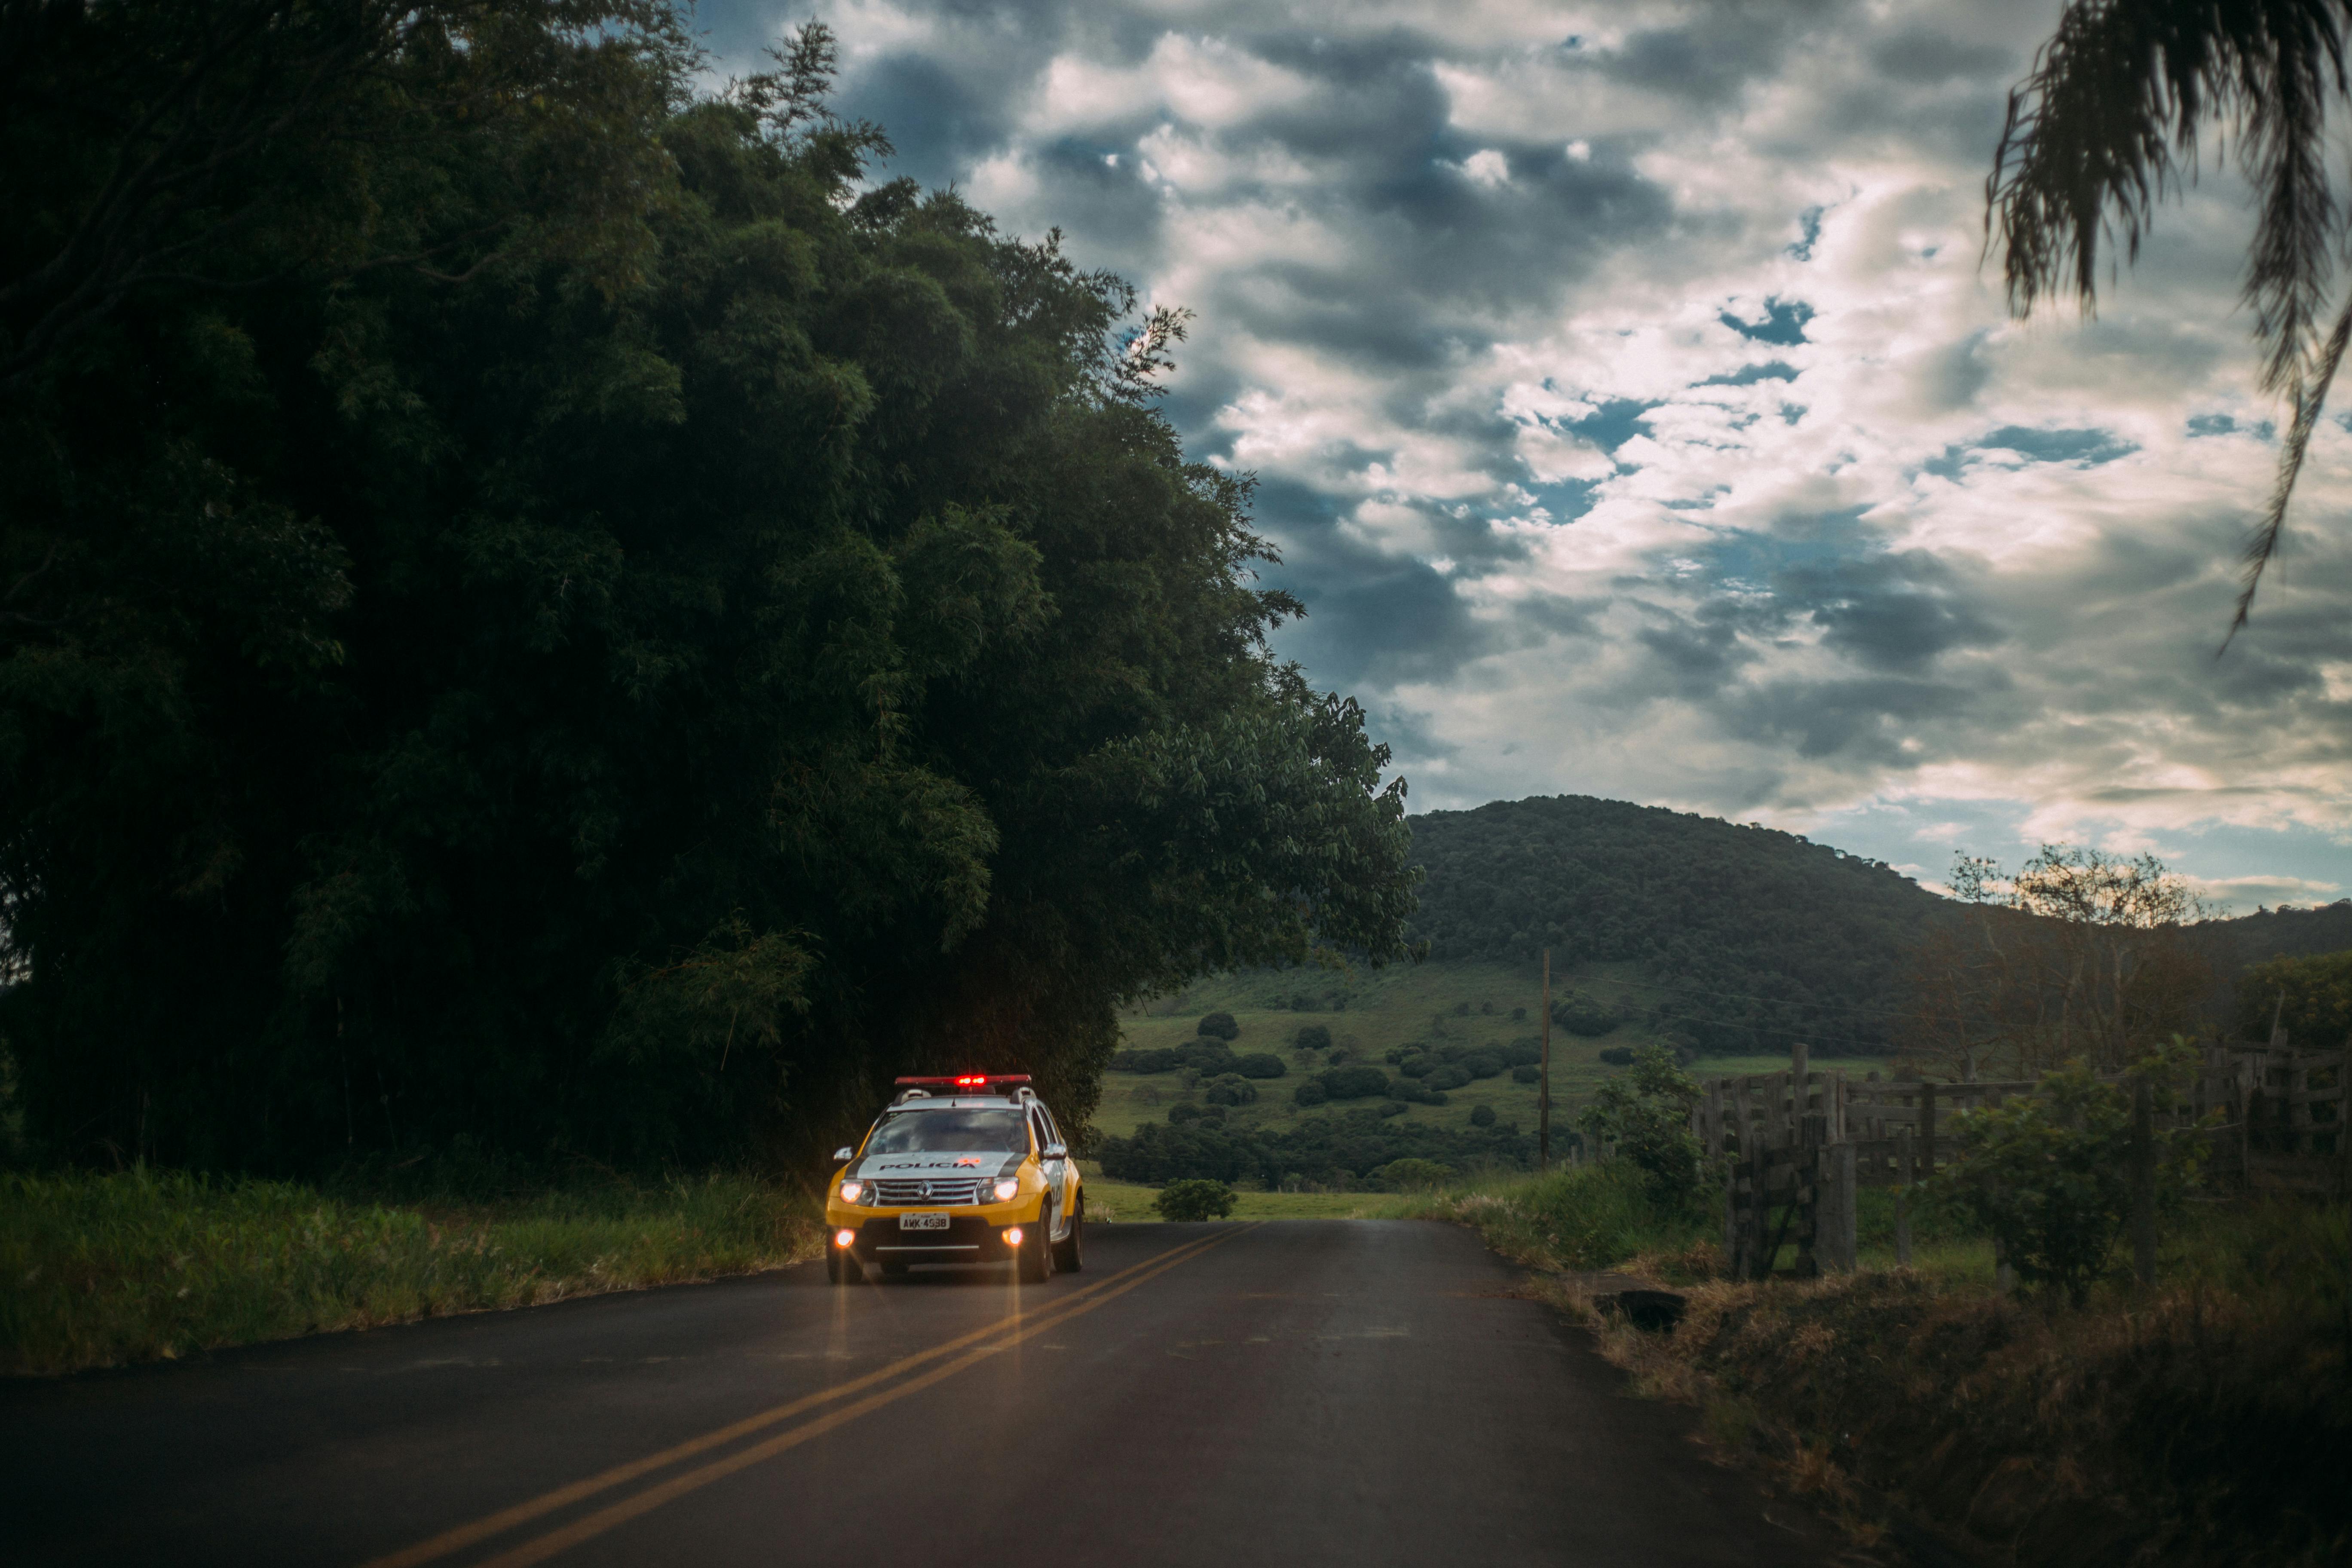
{"points": [[2205, 1422]]}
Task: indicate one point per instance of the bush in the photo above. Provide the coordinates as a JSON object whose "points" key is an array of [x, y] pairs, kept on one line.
{"points": [[1207, 1058], [1230, 1088], [1645, 1117], [1518, 1015], [1311, 1093], [1581, 1015], [1355, 1082], [1451, 1076], [1618, 1056], [1483, 1064], [1527, 1072], [1193, 1198], [1394, 1107], [1150, 1062], [1302, 1003], [1522, 1053], [1160, 1152], [1416, 1065], [1313, 1037], [2048, 1174], [1411, 1173], [1219, 1025], [1260, 1064], [1482, 1115]]}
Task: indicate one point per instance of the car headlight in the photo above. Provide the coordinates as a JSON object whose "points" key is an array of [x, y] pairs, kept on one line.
{"points": [[1008, 1189], [856, 1193]]}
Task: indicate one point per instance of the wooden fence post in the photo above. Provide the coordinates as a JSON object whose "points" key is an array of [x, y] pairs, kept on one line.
{"points": [[2142, 1184], [1836, 1230], [1903, 1178], [1926, 1130]]}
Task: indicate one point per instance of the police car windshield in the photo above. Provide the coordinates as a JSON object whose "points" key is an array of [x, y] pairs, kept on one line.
{"points": [[945, 1130]]}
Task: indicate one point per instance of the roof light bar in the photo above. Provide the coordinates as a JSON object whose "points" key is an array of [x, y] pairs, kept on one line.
{"points": [[964, 1080]]}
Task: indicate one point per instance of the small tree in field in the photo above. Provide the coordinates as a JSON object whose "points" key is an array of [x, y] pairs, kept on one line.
{"points": [[1194, 1198], [2050, 1174], [1643, 1116]]}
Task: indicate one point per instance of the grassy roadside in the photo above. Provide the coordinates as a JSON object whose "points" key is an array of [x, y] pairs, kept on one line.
{"points": [[2202, 1422], [108, 1268]]}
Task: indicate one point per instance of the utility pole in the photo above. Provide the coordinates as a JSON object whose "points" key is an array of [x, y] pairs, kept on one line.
{"points": [[1543, 1084]]}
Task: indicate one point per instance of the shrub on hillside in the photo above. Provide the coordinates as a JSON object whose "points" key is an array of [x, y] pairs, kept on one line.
{"points": [[1618, 1056], [1483, 1064], [1412, 1174], [1161, 1153], [1311, 1093], [1482, 1115], [1526, 1072], [1207, 1058], [1394, 1107], [1353, 1082], [1417, 1092], [1229, 1089], [1581, 1015], [1159, 1059], [1260, 1064], [1193, 1198], [1313, 1037], [1219, 1025], [1453, 1075], [1522, 1053]]}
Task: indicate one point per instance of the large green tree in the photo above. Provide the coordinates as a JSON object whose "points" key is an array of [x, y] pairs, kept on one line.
{"points": [[585, 623]]}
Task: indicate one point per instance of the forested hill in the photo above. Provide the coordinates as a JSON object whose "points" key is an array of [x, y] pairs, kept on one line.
{"points": [[1760, 936], [1750, 938]]}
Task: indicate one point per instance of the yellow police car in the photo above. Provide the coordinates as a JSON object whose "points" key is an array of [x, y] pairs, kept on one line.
{"points": [[965, 1170]]}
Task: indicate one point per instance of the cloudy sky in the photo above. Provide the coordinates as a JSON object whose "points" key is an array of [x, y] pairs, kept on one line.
{"points": [[1637, 417]]}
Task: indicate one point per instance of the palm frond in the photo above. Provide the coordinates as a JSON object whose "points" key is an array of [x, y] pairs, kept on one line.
{"points": [[2264, 542], [2107, 126]]}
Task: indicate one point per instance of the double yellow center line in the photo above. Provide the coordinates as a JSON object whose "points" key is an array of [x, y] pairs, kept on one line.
{"points": [[951, 1356]]}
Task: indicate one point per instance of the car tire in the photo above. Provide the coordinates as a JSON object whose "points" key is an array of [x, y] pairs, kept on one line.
{"points": [[1070, 1252], [1036, 1261]]}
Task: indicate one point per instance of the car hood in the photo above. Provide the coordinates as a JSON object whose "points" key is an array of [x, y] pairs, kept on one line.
{"points": [[970, 1165]]}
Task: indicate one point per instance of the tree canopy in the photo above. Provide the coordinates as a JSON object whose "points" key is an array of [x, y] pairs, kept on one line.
{"points": [[539, 607]]}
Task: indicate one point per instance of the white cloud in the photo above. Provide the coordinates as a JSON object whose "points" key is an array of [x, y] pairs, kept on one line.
{"points": [[1903, 566]]}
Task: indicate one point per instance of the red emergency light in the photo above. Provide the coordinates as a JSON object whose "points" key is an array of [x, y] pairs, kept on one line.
{"points": [[980, 1080]]}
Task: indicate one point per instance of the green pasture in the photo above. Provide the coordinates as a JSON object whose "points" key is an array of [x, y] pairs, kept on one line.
{"points": [[1370, 1012]]}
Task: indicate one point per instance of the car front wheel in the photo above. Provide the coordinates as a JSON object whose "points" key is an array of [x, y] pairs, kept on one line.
{"points": [[1070, 1252], [1037, 1255]]}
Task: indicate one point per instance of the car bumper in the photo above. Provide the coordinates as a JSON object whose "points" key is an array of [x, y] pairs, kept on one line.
{"points": [[971, 1238]]}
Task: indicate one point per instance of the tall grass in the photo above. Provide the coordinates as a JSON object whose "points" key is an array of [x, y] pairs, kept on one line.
{"points": [[98, 1270]]}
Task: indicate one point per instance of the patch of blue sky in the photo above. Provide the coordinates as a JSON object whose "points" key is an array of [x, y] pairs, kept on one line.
{"points": [[1749, 375], [2083, 448], [1810, 221], [1613, 423], [1783, 325], [2261, 430], [1564, 500], [2235, 868]]}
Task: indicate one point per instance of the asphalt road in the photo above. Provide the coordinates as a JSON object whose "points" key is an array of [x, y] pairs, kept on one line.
{"points": [[1300, 1392]]}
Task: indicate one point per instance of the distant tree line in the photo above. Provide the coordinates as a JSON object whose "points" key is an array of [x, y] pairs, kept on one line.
{"points": [[1324, 1147], [540, 604]]}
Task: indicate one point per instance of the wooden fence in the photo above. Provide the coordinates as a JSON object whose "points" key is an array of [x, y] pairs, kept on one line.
{"points": [[1796, 1143]]}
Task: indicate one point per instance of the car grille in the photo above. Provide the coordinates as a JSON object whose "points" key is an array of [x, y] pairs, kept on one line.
{"points": [[898, 1191]]}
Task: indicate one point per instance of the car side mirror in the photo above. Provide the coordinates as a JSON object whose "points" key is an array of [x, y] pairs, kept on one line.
{"points": [[1056, 1152], [843, 1154]]}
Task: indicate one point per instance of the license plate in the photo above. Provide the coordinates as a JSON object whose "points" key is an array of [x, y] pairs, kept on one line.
{"points": [[922, 1222]]}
